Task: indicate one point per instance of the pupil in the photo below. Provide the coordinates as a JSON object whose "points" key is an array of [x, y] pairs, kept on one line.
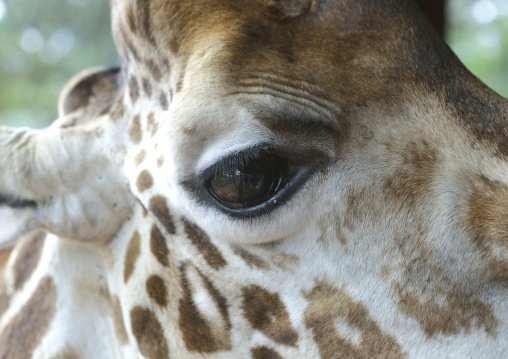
{"points": [[245, 186]]}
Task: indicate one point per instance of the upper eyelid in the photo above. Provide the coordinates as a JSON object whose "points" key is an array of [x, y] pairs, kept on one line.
{"points": [[302, 157], [245, 155]]}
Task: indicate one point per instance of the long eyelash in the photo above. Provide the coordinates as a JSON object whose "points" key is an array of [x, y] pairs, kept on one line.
{"points": [[233, 161]]}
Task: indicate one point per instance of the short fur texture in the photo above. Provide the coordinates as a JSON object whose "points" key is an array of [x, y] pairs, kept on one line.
{"points": [[395, 245]]}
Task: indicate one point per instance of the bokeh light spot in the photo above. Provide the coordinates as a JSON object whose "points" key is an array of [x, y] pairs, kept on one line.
{"points": [[3, 10], [484, 11], [62, 41], [32, 40]]}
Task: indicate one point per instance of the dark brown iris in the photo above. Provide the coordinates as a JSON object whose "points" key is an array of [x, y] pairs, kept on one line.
{"points": [[248, 184]]}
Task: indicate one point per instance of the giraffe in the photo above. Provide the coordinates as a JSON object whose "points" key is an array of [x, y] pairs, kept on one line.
{"points": [[261, 179]]}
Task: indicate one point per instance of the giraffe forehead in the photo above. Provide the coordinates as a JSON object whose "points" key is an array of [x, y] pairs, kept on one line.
{"points": [[354, 54], [227, 63], [247, 37], [271, 54]]}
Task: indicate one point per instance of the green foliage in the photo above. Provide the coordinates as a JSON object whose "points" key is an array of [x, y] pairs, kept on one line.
{"points": [[45, 42], [478, 34]]}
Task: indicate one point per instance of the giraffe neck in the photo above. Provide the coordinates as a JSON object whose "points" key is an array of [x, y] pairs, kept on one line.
{"points": [[72, 315]]}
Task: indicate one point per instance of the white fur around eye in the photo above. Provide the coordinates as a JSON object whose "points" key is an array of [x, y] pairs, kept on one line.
{"points": [[282, 222]]}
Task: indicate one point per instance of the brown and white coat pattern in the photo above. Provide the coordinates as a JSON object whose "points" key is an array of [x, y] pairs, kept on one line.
{"points": [[395, 247]]}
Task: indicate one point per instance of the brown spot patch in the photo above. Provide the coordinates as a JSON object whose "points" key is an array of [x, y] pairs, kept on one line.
{"points": [[340, 235], [158, 206], [4, 256], [28, 257], [190, 130], [140, 157], [117, 111], [251, 259], [121, 333], [144, 181], [129, 45], [165, 65], [174, 45], [133, 89], [144, 23], [150, 122], [201, 240], [329, 305], [4, 295], [163, 100], [149, 334], [218, 299], [156, 290], [135, 131], [160, 161], [356, 209], [179, 84], [329, 224], [25, 331], [264, 353], [151, 125], [131, 257], [147, 87], [196, 331], [438, 303], [413, 181], [67, 352], [131, 19], [268, 314], [285, 261], [154, 69], [158, 246], [488, 221], [459, 312]]}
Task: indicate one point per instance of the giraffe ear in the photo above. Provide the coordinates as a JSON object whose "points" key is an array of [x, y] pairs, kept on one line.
{"points": [[92, 91], [46, 175], [17, 215], [69, 182]]}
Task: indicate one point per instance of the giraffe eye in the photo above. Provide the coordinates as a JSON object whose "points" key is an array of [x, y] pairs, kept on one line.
{"points": [[245, 181], [255, 181]]}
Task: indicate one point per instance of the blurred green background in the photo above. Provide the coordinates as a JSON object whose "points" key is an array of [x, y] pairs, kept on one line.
{"points": [[44, 42]]}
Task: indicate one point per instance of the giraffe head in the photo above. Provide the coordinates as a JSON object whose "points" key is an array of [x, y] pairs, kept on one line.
{"points": [[275, 179]]}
